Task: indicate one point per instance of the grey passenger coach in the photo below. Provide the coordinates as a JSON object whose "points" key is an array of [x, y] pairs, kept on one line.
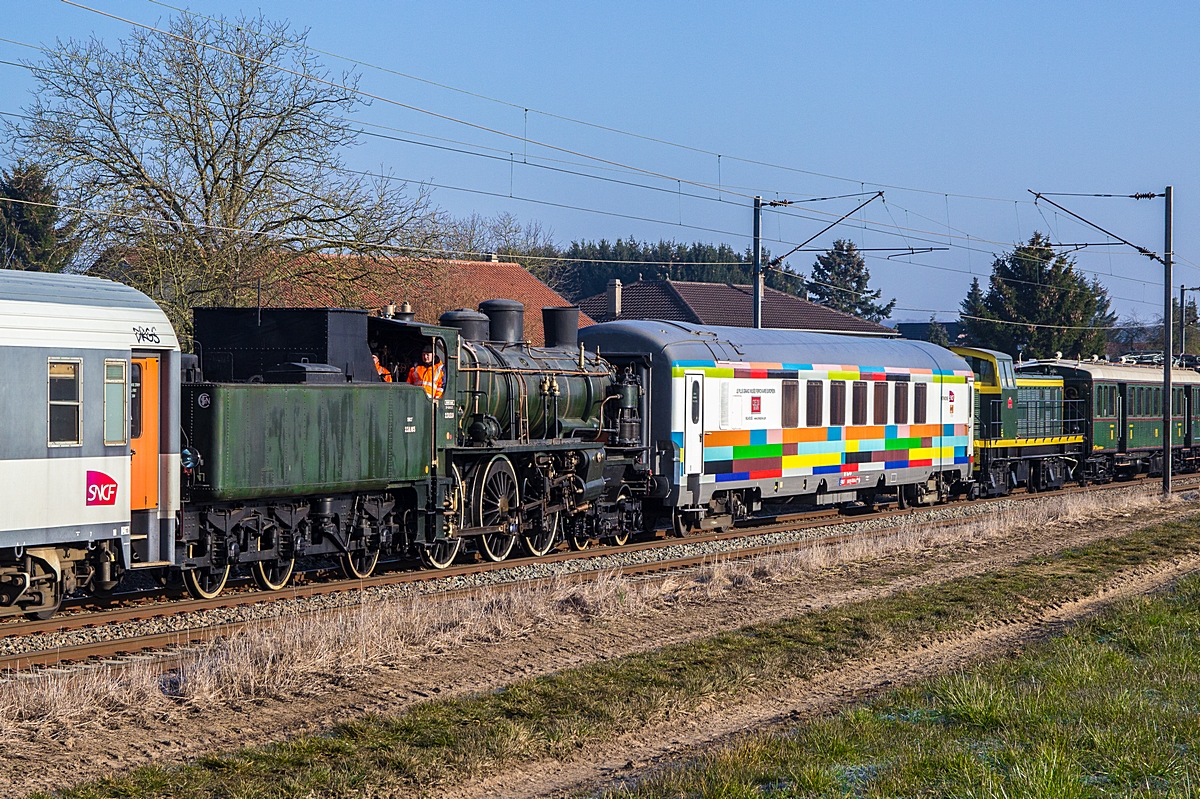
{"points": [[89, 458]]}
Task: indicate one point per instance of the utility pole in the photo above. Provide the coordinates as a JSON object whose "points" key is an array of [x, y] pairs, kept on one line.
{"points": [[1182, 322], [1168, 258], [758, 276]]}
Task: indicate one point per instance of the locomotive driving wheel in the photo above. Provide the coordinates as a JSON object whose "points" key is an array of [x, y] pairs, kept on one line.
{"points": [[541, 540], [544, 534], [206, 583], [497, 503], [577, 535], [441, 553]]}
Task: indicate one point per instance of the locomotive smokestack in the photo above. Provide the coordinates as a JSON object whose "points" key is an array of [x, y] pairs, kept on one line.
{"points": [[507, 318], [614, 298], [561, 326]]}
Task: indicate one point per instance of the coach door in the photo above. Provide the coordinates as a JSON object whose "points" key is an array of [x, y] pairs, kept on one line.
{"points": [[693, 423], [143, 433]]}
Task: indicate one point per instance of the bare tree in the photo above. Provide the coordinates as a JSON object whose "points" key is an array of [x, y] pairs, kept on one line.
{"points": [[503, 235], [209, 158]]}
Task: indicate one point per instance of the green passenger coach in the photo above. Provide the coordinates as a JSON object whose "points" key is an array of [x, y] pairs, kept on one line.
{"points": [[1122, 414]]}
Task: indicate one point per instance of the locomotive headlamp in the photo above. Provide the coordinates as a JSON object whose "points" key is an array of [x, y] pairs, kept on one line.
{"points": [[189, 459]]}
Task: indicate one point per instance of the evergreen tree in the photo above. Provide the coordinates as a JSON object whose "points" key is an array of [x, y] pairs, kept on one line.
{"points": [[840, 280], [974, 314], [34, 235], [587, 266], [1050, 301], [936, 334]]}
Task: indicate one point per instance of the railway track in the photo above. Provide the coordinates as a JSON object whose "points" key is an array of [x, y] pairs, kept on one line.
{"points": [[166, 646]]}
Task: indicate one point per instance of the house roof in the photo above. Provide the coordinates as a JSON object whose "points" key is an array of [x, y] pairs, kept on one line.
{"points": [[432, 288], [726, 304]]}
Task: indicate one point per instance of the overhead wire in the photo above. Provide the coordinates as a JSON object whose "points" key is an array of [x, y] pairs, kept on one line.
{"points": [[526, 109], [624, 167], [637, 170]]}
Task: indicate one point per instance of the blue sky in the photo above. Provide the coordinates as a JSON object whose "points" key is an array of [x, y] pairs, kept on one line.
{"points": [[938, 104]]}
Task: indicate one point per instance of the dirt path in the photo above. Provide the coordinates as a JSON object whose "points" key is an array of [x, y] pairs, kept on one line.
{"points": [[624, 760], [113, 744]]}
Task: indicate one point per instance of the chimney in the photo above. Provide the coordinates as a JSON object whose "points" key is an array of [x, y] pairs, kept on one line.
{"points": [[614, 298], [495, 258]]}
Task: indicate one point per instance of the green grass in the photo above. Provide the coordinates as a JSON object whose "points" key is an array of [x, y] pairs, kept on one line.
{"points": [[1109, 709], [446, 741]]}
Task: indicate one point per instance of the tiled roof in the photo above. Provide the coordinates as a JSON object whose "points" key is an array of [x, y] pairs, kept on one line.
{"points": [[431, 288], [726, 304]]}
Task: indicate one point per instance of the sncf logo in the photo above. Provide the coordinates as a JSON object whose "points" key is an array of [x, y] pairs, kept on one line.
{"points": [[101, 489]]}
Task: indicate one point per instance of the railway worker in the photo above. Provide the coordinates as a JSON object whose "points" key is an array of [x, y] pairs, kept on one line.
{"points": [[385, 374], [428, 375]]}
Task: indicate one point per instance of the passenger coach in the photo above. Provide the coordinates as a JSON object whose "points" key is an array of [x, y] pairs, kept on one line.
{"points": [[739, 416], [1122, 418], [89, 461]]}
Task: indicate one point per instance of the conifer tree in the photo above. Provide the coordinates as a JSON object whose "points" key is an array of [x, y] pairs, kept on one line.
{"points": [[34, 233], [936, 333], [840, 280], [1041, 305]]}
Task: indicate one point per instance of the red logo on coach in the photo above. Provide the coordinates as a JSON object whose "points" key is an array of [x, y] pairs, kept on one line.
{"points": [[755, 404], [101, 489]]}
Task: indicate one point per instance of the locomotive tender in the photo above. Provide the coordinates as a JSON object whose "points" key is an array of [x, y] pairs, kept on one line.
{"points": [[278, 439]]}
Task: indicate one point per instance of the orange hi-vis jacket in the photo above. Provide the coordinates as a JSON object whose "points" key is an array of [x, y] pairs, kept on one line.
{"points": [[430, 378]]}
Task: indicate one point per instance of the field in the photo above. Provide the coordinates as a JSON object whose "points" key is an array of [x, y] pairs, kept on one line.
{"points": [[547, 725], [1108, 709]]}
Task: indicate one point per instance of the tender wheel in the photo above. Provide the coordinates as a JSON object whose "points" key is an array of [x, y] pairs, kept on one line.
{"points": [[358, 564], [440, 554], [272, 575], [497, 503], [206, 583]]}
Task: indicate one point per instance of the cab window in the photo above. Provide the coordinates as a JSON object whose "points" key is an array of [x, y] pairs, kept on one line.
{"points": [[984, 369]]}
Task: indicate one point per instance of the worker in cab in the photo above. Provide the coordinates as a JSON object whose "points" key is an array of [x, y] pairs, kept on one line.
{"points": [[385, 374], [428, 375]]}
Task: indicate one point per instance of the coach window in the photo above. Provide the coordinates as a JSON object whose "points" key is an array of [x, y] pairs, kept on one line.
{"points": [[66, 405], [135, 401], [920, 402], [837, 403], [114, 403], [791, 403], [881, 399], [696, 402], [901, 415], [859, 403], [815, 413]]}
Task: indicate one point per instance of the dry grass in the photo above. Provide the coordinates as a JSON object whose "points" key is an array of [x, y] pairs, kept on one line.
{"points": [[320, 650]]}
